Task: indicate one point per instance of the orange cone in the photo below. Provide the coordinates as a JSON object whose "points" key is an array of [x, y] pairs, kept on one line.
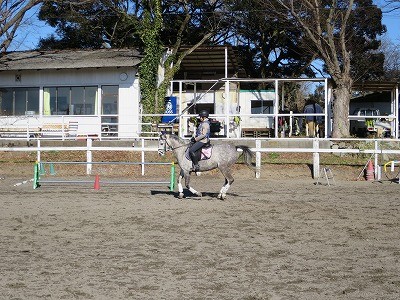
{"points": [[97, 183], [369, 174]]}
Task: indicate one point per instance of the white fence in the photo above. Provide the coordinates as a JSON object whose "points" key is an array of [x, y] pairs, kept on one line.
{"points": [[374, 147]]}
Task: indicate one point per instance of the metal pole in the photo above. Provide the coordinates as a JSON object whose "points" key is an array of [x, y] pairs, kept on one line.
{"points": [[36, 176]]}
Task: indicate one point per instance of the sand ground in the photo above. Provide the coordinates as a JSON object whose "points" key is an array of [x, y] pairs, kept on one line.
{"points": [[277, 237]]}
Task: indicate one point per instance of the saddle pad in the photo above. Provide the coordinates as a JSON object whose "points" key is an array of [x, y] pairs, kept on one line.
{"points": [[205, 153]]}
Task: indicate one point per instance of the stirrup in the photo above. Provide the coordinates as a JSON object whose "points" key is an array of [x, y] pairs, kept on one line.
{"points": [[196, 168]]}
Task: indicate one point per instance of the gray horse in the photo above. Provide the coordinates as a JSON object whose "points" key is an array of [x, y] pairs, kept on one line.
{"points": [[223, 157]]}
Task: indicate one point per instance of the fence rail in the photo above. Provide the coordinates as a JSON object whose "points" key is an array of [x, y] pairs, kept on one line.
{"points": [[369, 146]]}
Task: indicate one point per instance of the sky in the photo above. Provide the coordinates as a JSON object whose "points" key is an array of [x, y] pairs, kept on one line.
{"points": [[33, 29], [392, 21]]}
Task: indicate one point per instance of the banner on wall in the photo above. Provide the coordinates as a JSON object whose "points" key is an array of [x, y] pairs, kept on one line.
{"points": [[170, 110]]}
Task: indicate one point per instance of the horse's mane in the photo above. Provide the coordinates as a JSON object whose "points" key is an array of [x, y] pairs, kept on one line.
{"points": [[176, 138]]}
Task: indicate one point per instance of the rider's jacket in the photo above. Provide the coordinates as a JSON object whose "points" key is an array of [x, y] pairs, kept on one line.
{"points": [[203, 131]]}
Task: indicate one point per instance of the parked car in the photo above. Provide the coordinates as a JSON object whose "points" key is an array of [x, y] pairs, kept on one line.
{"points": [[365, 126]]}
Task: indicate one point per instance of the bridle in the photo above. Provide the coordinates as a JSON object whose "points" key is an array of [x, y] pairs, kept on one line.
{"points": [[170, 147]]}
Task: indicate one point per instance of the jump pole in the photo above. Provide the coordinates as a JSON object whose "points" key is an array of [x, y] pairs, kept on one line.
{"points": [[36, 175]]}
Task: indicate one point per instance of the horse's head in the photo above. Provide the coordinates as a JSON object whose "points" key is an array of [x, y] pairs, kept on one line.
{"points": [[162, 144], [168, 142]]}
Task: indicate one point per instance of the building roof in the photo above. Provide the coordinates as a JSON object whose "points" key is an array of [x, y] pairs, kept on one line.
{"points": [[211, 60], [375, 85], [69, 59]]}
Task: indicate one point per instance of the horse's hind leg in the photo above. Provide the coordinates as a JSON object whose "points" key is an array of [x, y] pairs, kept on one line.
{"points": [[228, 182]]}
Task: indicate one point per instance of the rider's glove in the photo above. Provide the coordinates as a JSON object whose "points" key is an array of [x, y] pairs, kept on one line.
{"points": [[193, 140]]}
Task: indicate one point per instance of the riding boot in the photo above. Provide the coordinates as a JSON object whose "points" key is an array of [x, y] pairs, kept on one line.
{"points": [[195, 162], [196, 166]]}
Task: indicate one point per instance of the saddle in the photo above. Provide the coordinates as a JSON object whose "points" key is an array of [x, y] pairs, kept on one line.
{"points": [[203, 153]]}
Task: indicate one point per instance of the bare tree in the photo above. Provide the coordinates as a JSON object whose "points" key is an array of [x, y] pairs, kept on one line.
{"points": [[12, 13], [391, 5], [328, 30], [392, 58]]}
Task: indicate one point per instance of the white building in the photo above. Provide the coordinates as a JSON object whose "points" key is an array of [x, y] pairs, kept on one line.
{"points": [[70, 93]]}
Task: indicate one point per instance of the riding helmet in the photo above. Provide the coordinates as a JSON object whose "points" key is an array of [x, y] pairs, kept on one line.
{"points": [[203, 113]]}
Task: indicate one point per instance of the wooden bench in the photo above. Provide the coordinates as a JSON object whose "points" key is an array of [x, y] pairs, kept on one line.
{"points": [[257, 132], [59, 129], [18, 132], [170, 128]]}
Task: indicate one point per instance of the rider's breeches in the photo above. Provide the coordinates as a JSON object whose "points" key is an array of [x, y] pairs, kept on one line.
{"points": [[192, 151]]}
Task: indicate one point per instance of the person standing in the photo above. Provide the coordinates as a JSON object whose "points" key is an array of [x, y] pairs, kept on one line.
{"points": [[310, 120], [201, 138], [319, 120]]}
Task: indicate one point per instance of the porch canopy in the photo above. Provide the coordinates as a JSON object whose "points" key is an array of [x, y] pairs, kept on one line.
{"points": [[366, 88]]}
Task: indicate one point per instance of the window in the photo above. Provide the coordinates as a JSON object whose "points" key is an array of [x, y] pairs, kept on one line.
{"points": [[109, 108], [109, 100], [261, 107], [19, 101], [70, 100]]}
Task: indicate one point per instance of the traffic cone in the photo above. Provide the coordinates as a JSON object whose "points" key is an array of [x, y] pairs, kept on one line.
{"points": [[97, 183], [369, 174]]}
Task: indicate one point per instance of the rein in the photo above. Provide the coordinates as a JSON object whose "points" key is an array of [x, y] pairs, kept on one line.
{"points": [[173, 148]]}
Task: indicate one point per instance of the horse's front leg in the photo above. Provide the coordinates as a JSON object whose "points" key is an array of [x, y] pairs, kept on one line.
{"points": [[180, 187], [228, 182], [187, 183]]}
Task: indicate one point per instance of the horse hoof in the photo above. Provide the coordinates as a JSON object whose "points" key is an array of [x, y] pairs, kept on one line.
{"points": [[199, 194], [180, 196], [221, 197]]}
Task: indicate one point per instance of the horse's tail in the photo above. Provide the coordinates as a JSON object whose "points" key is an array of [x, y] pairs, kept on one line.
{"points": [[248, 156]]}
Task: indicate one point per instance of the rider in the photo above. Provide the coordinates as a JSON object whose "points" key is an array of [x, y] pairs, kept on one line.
{"points": [[202, 137]]}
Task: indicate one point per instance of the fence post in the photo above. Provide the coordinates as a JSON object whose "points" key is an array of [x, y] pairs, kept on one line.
{"points": [[258, 159], [89, 156], [376, 159], [316, 158], [143, 156], [38, 151]]}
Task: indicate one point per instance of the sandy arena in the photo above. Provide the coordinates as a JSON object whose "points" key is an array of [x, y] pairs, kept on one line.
{"points": [[278, 237]]}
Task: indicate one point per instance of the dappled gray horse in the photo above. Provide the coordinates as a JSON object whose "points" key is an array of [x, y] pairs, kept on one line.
{"points": [[223, 157]]}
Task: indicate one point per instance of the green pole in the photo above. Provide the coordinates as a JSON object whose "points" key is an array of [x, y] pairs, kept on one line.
{"points": [[36, 176], [172, 178]]}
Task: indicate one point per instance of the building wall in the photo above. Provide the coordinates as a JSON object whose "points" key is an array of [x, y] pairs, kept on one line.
{"points": [[252, 120]]}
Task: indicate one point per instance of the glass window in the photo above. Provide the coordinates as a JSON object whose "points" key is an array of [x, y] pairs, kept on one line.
{"points": [[90, 100], [17, 101], [7, 102], [261, 107], [62, 95], [70, 100], [33, 100], [77, 101], [20, 102], [109, 100]]}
